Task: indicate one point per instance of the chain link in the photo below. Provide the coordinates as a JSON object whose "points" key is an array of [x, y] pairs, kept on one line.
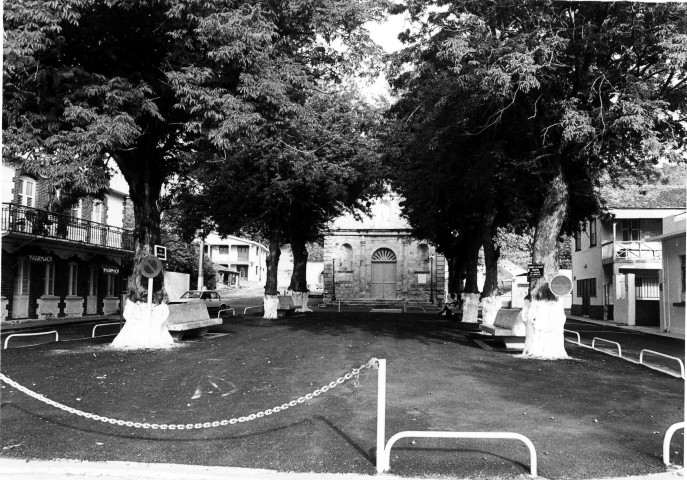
{"points": [[194, 426]]}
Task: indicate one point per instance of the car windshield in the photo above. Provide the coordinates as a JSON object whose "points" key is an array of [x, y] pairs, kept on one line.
{"points": [[191, 295]]}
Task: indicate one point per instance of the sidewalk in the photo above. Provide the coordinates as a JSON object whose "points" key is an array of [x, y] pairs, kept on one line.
{"points": [[636, 328], [12, 469], [10, 326]]}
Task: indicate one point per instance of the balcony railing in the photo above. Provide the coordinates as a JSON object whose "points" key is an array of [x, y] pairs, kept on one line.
{"points": [[34, 221], [631, 251]]}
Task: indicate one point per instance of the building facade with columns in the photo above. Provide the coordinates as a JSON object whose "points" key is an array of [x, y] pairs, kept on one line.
{"points": [[62, 265], [375, 257]]}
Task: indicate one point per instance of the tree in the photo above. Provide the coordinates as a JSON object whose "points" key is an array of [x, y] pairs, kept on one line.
{"points": [[304, 171], [154, 85], [574, 93]]}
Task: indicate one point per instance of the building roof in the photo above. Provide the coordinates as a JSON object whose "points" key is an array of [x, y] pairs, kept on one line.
{"points": [[645, 197]]}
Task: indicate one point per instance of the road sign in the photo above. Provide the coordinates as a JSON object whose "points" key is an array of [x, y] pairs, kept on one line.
{"points": [[560, 285], [535, 270], [151, 266], [161, 252]]}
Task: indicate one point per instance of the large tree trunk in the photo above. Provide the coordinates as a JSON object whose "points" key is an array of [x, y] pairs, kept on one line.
{"points": [[144, 327], [299, 280], [456, 273], [491, 302], [271, 297], [470, 295], [544, 314]]}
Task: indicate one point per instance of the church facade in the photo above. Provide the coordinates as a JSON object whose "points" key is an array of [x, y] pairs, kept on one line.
{"points": [[375, 258]]}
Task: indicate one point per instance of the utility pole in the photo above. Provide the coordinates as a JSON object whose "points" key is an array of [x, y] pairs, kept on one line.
{"points": [[200, 263]]}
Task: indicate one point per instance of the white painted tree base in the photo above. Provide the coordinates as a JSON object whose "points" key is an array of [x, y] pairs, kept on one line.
{"points": [[300, 300], [490, 307], [544, 320], [271, 305], [470, 307], [143, 330]]}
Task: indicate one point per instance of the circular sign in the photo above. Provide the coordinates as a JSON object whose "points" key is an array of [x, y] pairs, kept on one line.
{"points": [[151, 266], [560, 285]]}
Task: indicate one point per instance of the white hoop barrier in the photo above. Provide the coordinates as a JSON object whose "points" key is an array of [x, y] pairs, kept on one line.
{"points": [[607, 341], [57, 336], [682, 365], [233, 312], [102, 325], [479, 435], [666, 441], [384, 450], [579, 341]]}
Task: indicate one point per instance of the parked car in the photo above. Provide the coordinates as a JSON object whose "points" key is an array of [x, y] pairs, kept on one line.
{"points": [[212, 299]]}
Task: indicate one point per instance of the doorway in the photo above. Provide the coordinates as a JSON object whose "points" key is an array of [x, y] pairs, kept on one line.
{"points": [[383, 278]]}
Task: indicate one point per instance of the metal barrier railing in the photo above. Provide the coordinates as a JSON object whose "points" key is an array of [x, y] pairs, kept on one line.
{"points": [[7, 340], [682, 365], [384, 449], [245, 310], [667, 438], [579, 341], [219, 312], [103, 325], [486, 435], [607, 341]]}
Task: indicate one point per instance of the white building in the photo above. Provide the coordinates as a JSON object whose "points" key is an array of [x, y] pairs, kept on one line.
{"points": [[246, 257], [616, 261], [672, 277]]}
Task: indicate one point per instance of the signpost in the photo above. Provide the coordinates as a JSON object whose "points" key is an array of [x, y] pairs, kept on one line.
{"points": [[560, 285], [161, 252], [535, 270], [151, 266]]}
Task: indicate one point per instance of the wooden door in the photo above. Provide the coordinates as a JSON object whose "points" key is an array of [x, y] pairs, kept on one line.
{"points": [[383, 278]]}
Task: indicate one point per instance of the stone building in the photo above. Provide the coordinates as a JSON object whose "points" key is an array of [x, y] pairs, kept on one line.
{"points": [[375, 258]]}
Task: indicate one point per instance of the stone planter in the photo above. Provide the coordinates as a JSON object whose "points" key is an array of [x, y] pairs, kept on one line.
{"points": [[110, 305], [48, 307], [73, 306]]}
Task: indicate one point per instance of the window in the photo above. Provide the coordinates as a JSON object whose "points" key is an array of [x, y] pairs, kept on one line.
{"points": [[242, 253], [93, 281], [630, 227], [111, 282], [592, 232], [72, 287], [224, 249], [27, 191], [243, 271], [76, 210], [578, 241], [97, 211], [49, 282], [22, 277]]}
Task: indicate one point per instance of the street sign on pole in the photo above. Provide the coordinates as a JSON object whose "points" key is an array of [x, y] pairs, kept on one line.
{"points": [[535, 270], [161, 252], [151, 266], [560, 285]]}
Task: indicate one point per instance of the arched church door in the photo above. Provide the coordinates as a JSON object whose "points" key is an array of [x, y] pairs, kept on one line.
{"points": [[383, 273]]}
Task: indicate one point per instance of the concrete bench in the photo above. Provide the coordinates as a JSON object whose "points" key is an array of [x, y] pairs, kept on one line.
{"points": [[507, 328], [189, 319], [286, 306]]}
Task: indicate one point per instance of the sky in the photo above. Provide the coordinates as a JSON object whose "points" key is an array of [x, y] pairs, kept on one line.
{"points": [[386, 36]]}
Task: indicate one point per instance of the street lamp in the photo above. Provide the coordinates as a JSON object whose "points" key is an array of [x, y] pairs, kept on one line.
{"points": [[431, 279]]}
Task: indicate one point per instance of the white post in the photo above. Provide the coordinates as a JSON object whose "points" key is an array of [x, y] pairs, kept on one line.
{"points": [[150, 309], [381, 415]]}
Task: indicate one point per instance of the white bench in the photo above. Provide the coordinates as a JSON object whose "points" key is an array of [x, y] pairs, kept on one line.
{"points": [[286, 306], [190, 319], [508, 328]]}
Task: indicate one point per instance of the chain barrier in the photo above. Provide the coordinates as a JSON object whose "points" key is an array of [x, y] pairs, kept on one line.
{"points": [[191, 426]]}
